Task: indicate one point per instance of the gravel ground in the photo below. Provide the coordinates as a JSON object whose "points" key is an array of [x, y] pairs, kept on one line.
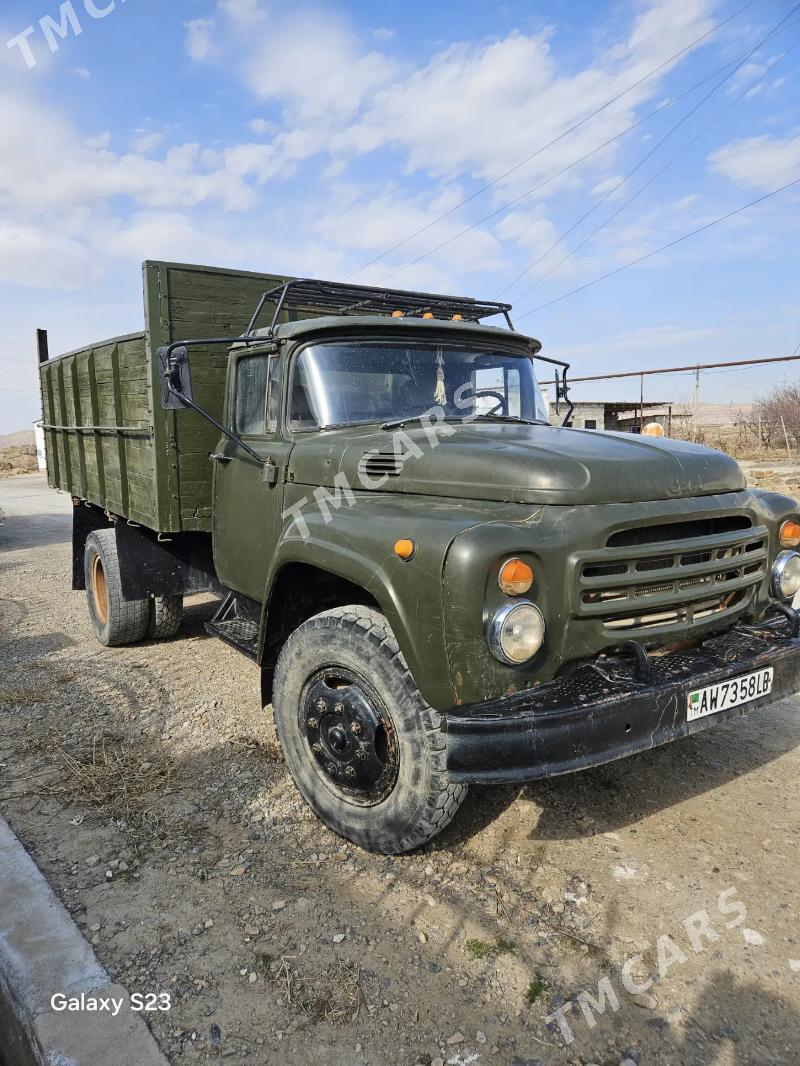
{"points": [[148, 785]]}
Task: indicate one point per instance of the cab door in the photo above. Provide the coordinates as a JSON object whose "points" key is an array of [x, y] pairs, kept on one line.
{"points": [[248, 494]]}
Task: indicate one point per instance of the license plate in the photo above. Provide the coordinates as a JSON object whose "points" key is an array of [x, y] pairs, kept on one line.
{"points": [[727, 694]]}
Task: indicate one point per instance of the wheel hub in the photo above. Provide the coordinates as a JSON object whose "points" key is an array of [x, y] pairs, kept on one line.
{"points": [[351, 736]]}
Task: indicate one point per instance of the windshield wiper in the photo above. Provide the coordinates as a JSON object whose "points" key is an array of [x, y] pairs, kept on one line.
{"points": [[510, 418], [398, 423]]}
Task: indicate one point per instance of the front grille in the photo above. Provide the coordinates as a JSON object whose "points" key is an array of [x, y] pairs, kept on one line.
{"points": [[631, 587], [692, 529]]}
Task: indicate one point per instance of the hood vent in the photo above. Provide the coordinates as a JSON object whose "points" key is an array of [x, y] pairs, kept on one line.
{"points": [[380, 464]]}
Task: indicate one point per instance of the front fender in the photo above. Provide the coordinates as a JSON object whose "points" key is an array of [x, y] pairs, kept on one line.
{"points": [[356, 543]]}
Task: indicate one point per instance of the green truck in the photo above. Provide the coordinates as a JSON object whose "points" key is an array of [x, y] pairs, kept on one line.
{"points": [[438, 586]]}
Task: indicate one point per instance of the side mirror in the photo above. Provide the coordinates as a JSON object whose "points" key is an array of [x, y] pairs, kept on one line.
{"points": [[175, 377]]}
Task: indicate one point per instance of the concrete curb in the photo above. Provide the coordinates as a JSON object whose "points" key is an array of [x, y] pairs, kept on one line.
{"points": [[42, 952]]}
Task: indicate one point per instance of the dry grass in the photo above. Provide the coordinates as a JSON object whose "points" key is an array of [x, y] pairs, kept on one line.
{"points": [[111, 776], [10, 696], [332, 995]]}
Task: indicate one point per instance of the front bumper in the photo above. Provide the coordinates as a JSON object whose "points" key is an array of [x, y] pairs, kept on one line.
{"points": [[601, 712]]}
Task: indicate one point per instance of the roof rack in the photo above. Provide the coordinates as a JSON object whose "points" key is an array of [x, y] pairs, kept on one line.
{"points": [[307, 294]]}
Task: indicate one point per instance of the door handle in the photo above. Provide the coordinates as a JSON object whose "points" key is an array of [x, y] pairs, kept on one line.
{"points": [[218, 457]]}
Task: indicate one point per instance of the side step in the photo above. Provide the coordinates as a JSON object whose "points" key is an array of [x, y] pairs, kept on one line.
{"points": [[236, 622]]}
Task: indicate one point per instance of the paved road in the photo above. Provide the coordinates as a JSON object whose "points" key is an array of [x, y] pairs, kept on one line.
{"points": [[35, 513]]}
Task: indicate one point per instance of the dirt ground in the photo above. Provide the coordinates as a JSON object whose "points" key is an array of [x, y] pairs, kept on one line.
{"points": [[148, 786]]}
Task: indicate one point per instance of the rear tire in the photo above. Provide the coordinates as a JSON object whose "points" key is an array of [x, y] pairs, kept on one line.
{"points": [[166, 613], [115, 620], [365, 750]]}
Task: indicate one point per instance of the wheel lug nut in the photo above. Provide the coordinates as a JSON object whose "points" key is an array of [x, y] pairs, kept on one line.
{"points": [[313, 723], [321, 706], [339, 708], [316, 748], [350, 771], [360, 755], [355, 728]]}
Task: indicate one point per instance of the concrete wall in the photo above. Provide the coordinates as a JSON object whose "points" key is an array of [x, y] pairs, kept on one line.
{"points": [[589, 411]]}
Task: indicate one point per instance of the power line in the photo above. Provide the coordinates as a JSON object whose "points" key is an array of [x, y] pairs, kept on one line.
{"points": [[552, 177], [555, 140], [546, 181], [673, 129], [663, 248]]}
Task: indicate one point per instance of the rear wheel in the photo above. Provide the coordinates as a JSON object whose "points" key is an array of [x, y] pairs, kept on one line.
{"points": [[115, 620], [364, 748], [166, 613]]}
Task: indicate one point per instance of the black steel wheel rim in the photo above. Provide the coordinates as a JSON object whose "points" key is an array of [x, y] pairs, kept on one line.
{"points": [[350, 735]]}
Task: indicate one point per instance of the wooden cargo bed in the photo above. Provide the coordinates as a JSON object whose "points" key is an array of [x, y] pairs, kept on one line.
{"points": [[108, 439]]}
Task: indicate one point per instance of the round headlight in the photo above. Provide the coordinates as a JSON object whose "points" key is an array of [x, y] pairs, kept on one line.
{"points": [[786, 575], [516, 632]]}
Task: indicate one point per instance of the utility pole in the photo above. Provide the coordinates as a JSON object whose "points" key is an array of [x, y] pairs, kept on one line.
{"points": [[696, 401]]}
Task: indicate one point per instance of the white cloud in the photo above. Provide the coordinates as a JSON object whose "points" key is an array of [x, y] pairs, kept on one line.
{"points": [[82, 73], [244, 12], [762, 163], [37, 256], [311, 62], [262, 126], [361, 224], [199, 39], [383, 33], [744, 75], [604, 187], [513, 91], [146, 141]]}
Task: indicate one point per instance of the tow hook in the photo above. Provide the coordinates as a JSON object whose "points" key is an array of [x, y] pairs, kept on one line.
{"points": [[791, 616], [644, 667]]}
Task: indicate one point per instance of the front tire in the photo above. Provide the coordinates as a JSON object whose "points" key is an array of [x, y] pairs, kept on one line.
{"points": [[365, 750], [115, 620]]}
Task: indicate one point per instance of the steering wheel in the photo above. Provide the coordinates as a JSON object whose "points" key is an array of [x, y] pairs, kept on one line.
{"points": [[501, 407]]}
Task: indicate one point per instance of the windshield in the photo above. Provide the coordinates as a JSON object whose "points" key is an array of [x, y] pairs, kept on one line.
{"points": [[377, 381]]}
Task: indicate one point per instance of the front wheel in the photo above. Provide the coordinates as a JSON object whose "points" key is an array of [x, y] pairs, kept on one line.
{"points": [[364, 748]]}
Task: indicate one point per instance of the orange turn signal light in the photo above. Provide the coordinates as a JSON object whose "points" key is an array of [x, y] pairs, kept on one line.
{"points": [[789, 534], [458, 318], [404, 548], [428, 314], [397, 314], [516, 577]]}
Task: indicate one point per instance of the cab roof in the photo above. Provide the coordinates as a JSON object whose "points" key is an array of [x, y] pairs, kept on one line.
{"points": [[372, 323]]}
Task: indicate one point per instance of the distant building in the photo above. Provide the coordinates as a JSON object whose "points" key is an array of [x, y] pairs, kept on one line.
{"points": [[621, 417]]}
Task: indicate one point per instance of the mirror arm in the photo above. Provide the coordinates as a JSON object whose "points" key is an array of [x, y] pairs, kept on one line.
{"points": [[562, 386], [172, 372], [210, 418]]}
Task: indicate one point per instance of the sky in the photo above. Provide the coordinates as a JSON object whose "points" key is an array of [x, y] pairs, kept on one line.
{"points": [[447, 147]]}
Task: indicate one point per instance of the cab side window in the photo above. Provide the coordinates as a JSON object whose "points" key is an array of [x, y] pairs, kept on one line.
{"points": [[252, 375]]}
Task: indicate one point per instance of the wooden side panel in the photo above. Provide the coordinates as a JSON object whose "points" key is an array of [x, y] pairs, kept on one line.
{"points": [[99, 427], [108, 439], [187, 302]]}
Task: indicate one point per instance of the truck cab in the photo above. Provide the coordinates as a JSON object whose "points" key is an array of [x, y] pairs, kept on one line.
{"points": [[442, 587]]}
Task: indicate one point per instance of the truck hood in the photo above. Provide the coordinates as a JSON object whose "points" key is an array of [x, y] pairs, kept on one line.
{"points": [[517, 464]]}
